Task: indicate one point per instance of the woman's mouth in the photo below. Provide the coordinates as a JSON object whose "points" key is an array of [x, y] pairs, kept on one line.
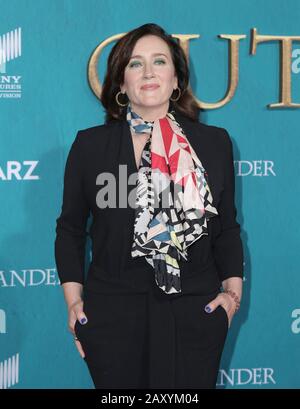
{"points": [[149, 87]]}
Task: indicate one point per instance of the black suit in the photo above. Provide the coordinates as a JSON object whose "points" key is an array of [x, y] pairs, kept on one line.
{"points": [[115, 275], [101, 149]]}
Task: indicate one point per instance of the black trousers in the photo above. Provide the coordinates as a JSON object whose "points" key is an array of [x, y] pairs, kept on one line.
{"points": [[152, 340]]}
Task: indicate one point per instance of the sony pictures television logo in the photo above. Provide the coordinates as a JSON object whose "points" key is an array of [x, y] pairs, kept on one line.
{"points": [[10, 49], [9, 367]]}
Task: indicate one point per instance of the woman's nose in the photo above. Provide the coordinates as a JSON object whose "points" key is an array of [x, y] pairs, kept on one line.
{"points": [[148, 73]]}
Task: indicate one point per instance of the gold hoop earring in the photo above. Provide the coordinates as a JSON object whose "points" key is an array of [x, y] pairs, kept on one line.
{"points": [[117, 96], [178, 95]]}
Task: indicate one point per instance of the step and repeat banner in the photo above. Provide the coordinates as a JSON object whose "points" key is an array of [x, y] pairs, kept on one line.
{"points": [[244, 59]]}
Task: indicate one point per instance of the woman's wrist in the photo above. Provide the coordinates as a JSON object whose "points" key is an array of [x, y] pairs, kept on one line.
{"points": [[235, 284], [233, 287], [235, 297], [73, 293], [71, 305]]}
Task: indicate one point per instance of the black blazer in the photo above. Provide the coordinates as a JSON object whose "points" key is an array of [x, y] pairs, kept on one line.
{"points": [[211, 259]]}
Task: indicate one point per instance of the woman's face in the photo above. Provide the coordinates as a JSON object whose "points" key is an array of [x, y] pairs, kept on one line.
{"points": [[150, 63]]}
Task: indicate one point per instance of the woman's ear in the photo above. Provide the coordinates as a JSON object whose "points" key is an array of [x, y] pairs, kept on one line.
{"points": [[176, 83], [122, 88]]}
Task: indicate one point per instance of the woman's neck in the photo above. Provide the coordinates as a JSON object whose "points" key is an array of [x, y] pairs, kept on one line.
{"points": [[153, 115]]}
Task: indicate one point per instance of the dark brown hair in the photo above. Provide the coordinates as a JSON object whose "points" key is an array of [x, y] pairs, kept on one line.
{"points": [[118, 60]]}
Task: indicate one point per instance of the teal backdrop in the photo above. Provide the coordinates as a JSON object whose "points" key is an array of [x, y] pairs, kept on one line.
{"points": [[46, 98]]}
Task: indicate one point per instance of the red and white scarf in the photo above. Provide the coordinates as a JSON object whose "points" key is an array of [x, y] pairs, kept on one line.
{"points": [[173, 199]]}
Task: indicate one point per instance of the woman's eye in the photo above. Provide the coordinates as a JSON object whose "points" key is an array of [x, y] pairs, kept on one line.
{"points": [[133, 64]]}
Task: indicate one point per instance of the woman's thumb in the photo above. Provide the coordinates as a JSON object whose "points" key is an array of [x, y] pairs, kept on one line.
{"points": [[80, 315], [82, 318], [210, 307]]}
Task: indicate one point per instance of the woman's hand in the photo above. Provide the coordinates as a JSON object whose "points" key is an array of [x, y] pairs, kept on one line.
{"points": [[226, 302], [76, 313]]}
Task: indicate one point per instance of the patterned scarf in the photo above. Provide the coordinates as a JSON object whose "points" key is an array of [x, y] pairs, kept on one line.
{"points": [[173, 201]]}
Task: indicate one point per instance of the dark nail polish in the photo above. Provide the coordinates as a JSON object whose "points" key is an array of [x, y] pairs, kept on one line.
{"points": [[83, 320], [207, 309]]}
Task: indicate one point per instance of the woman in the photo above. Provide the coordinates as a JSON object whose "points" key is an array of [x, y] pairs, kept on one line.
{"points": [[167, 261]]}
